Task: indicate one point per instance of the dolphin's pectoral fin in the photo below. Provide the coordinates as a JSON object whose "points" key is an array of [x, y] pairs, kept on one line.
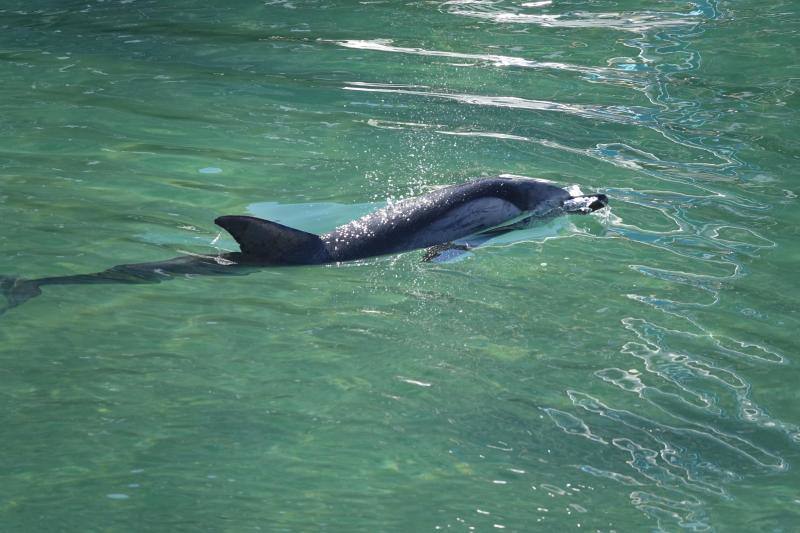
{"points": [[451, 252], [273, 242], [446, 252]]}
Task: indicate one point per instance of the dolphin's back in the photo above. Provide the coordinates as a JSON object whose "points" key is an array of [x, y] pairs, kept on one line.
{"points": [[441, 216]]}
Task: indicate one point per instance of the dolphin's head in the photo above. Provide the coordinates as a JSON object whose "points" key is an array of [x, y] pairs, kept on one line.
{"points": [[537, 197], [543, 199]]}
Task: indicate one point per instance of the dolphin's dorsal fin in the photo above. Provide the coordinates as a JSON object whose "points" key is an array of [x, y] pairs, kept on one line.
{"points": [[273, 242]]}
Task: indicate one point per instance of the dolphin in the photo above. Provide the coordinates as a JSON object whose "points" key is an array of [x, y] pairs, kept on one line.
{"points": [[450, 219]]}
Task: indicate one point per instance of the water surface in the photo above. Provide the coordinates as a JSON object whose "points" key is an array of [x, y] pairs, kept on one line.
{"points": [[632, 370]]}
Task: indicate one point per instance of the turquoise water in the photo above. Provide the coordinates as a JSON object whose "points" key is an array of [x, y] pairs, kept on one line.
{"points": [[634, 370]]}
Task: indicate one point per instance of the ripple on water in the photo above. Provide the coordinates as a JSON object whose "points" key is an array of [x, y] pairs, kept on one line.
{"points": [[631, 21], [671, 412]]}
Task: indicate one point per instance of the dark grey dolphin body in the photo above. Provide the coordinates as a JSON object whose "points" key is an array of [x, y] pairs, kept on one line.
{"points": [[441, 216], [481, 208]]}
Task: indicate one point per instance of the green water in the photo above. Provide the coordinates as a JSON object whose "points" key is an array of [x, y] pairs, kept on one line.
{"points": [[634, 370]]}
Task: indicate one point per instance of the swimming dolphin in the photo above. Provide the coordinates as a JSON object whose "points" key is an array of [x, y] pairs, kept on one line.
{"points": [[480, 209]]}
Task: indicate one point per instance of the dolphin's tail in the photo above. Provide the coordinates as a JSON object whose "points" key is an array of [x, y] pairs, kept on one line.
{"points": [[17, 291], [274, 243]]}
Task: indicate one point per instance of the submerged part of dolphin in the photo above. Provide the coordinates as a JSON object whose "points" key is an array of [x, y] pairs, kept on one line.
{"points": [[448, 220]]}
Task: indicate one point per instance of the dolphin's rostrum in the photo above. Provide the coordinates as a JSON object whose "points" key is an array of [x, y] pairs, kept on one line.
{"points": [[480, 209]]}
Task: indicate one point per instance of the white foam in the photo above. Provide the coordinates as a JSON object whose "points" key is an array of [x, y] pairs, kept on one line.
{"points": [[574, 190]]}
